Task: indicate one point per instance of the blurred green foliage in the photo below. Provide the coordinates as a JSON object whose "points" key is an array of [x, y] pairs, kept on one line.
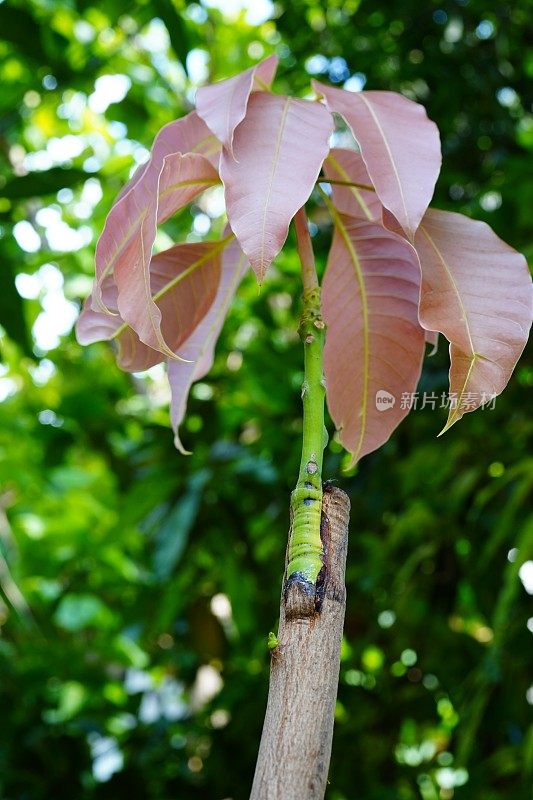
{"points": [[138, 587]]}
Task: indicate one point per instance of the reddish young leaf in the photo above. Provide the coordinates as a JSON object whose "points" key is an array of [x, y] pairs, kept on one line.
{"points": [[374, 343], [183, 283], [477, 291], [348, 165], [222, 105], [125, 246], [188, 134], [400, 147], [279, 148], [198, 350], [96, 326]]}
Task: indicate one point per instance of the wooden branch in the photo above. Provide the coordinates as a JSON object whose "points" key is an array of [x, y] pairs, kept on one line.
{"points": [[295, 747]]}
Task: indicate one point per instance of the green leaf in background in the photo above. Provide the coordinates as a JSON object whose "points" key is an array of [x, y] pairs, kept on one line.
{"points": [[174, 531], [76, 612], [22, 29], [12, 317], [70, 700], [42, 183], [176, 27]]}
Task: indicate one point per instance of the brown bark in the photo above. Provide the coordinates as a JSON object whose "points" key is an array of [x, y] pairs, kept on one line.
{"points": [[295, 747]]}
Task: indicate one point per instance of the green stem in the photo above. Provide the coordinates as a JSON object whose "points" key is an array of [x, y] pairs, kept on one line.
{"points": [[305, 556]]}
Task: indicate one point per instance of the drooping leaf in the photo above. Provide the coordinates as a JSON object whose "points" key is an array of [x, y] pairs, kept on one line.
{"points": [[96, 326], [477, 291], [198, 350], [278, 150], [374, 342], [400, 147], [184, 280], [222, 105], [123, 225], [125, 246], [188, 134], [183, 284], [348, 165]]}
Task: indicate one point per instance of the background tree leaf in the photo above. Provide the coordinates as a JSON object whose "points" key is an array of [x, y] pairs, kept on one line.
{"points": [[12, 317], [174, 532], [42, 183], [177, 29]]}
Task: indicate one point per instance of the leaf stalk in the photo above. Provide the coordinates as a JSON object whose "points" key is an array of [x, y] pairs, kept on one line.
{"points": [[352, 184]]}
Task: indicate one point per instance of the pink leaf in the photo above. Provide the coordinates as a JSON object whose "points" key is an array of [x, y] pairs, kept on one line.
{"points": [[279, 149], [374, 343], [198, 349], [400, 147], [96, 326], [348, 165], [183, 282], [125, 246], [188, 134], [222, 105], [476, 290]]}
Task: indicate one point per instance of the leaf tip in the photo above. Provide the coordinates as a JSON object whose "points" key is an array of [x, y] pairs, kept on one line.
{"points": [[452, 419], [317, 87], [352, 463], [175, 357], [179, 446]]}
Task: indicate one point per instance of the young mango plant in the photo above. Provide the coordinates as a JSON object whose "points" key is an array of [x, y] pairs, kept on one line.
{"points": [[398, 274]]}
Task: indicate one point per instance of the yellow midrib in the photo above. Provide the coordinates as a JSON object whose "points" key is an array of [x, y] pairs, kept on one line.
{"points": [[175, 281]]}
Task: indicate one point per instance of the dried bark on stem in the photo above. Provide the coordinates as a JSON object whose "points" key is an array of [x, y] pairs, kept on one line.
{"points": [[295, 747]]}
